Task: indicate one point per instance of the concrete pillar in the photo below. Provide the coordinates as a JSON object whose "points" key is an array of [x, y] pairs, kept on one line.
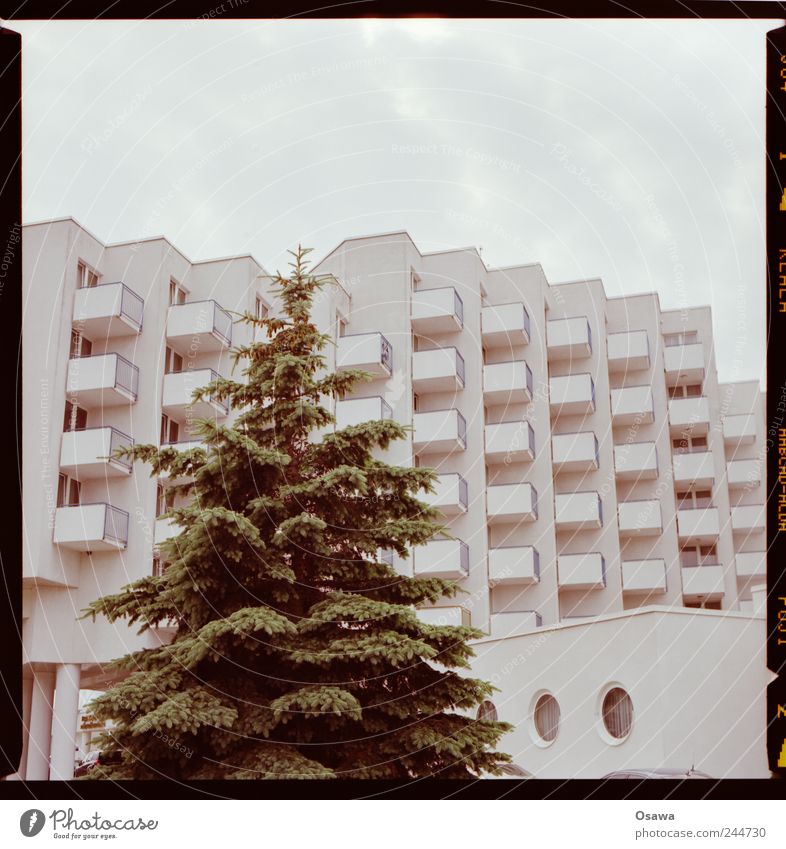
{"points": [[40, 737], [27, 698], [64, 721]]}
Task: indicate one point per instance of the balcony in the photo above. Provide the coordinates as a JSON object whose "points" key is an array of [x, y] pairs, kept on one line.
{"points": [[695, 468], [639, 518], [177, 396], [165, 529], [504, 325], [198, 326], [573, 394], [510, 442], [437, 370], [644, 576], [514, 564], [439, 432], [742, 474], [628, 351], [514, 622], [739, 430], [689, 415], [86, 454], [748, 518], [450, 495], [568, 338], [632, 405], [699, 524], [511, 502], [507, 383], [751, 564], [578, 511], [370, 352], [442, 558], [574, 452], [355, 411], [107, 310], [91, 527], [184, 445], [636, 461], [684, 364], [702, 583], [452, 617], [581, 571], [107, 380], [437, 311]]}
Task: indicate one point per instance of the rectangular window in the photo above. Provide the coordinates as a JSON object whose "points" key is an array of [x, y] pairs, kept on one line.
{"points": [[170, 430], [177, 294], [261, 309], [69, 491], [691, 390], [80, 347], [75, 417], [688, 337], [173, 362], [165, 499], [86, 277], [689, 445], [159, 566]]}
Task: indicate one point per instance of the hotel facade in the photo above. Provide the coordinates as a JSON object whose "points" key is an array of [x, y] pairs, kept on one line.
{"points": [[603, 493]]}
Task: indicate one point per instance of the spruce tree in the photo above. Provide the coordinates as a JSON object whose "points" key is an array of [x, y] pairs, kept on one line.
{"points": [[297, 651]]}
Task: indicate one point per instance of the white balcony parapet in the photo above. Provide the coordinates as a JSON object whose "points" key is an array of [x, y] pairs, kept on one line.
{"points": [[574, 452], [636, 461], [511, 623], [370, 352], [644, 576], [88, 453], [568, 338], [514, 564], [684, 363], [572, 394], [440, 431], [442, 558], [511, 502], [507, 383], [751, 564], [628, 351], [178, 392], [354, 411], [739, 430], [632, 405], [703, 582], [639, 518], [165, 528], [402, 565], [689, 415], [748, 518], [450, 496], [103, 379], [578, 511], [510, 442], [198, 326], [438, 370], [453, 616], [108, 310], [741, 474], [437, 310], [701, 524], [91, 527], [581, 571], [694, 468], [505, 325]]}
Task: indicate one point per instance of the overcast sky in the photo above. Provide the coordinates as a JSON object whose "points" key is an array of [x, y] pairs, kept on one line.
{"points": [[628, 150]]}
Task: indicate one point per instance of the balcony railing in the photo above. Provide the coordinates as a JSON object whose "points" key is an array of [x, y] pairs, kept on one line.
{"points": [[741, 474], [178, 392], [574, 452], [437, 370], [507, 383], [511, 623], [200, 326], [636, 461], [91, 527], [581, 571], [453, 616], [442, 558], [511, 502], [370, 352], [739, 430], [103, 379], [751, 564], [689, 415], [694, 468], [684, 363], [578, 511], [748, 518], [628, 351], [644, 576], [572, 394], [701, 524], [514, 564], [505, 325], [440, 431], [703, 583], [510, 442], [568, 338], [639, 518], [450, 495], [437, 310], [108, 310], [88, 453], [354, 411], [632, 405]]}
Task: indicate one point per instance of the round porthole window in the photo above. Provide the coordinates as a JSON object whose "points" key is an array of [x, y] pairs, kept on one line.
{"points": [[487, 711], [617, 711], [546, 717]]}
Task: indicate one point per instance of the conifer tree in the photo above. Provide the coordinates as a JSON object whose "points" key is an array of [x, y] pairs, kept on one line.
{"points": [[297, 651]]}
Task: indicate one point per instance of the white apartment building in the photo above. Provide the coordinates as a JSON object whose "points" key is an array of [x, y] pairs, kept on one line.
{"points": [[597, 482]]}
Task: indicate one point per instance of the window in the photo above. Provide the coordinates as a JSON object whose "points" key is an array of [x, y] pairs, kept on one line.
{"points": [[415, 280], [80, 347], [86, 277], [165, 499], [69, 491], [688, 337], [415, 403], [159, 566], [261, 309], [75, 418], [173, 362], [699, 555], [546, 717], [170, 430], [341, 326], [617, 713], [487, 711], [689, 444], [689, 390], [694, 498], [703, 605], [177, 294]]}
